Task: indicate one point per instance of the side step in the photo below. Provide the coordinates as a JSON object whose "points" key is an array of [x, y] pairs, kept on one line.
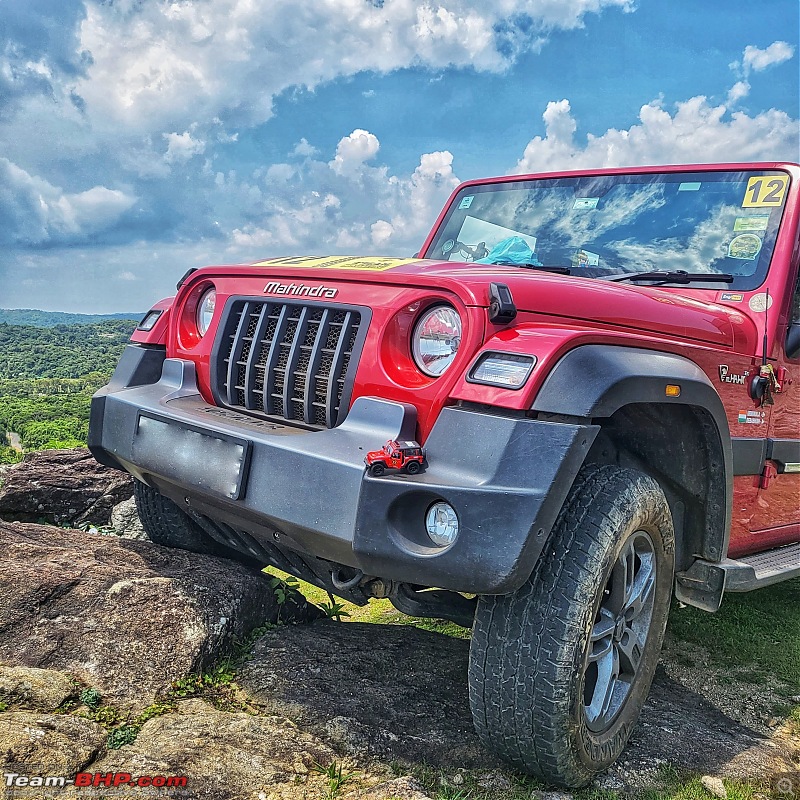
{"points": [[768, 567], [703, 584]]}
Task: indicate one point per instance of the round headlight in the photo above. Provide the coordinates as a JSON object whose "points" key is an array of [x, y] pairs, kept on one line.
{"points": [[436, 339], [205, 311]]}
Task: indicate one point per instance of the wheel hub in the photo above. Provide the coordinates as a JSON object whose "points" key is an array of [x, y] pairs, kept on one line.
{"points": [[620, 631]]}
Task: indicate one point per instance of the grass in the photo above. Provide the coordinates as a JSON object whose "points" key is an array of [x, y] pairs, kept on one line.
{"points": [[756, 633]]}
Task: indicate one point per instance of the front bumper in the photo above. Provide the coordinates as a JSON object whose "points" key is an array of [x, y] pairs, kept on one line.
{"points": [[506, 477]]}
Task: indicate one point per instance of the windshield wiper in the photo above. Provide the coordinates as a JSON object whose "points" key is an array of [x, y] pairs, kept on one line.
{"points": [[542, 267], [675, 276]]}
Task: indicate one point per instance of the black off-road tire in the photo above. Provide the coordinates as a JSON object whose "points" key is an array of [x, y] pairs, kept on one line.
{"points": [[413, 467], [377, 469], [169, 525], [533, 674]]}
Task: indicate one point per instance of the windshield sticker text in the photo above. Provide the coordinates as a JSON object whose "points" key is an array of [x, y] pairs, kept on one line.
{"points": [[585, 203], [466, 202], [757, 222], [745, 246], [765, 191]]}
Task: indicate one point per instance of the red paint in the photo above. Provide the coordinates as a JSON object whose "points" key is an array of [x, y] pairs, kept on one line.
{"points": [[555, 314]]}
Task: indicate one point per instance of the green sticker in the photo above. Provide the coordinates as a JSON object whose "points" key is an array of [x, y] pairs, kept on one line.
{"points": [[757, 222], [745, 246]]}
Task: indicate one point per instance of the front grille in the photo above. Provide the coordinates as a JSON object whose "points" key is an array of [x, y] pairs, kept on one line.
{"points": [[288, 360]]}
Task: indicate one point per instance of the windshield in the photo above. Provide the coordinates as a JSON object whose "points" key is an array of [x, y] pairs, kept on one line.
{"points": [[699, 222]]}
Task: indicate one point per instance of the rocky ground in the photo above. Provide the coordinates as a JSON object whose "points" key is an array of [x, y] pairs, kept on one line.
{"points": [[124, 657]]}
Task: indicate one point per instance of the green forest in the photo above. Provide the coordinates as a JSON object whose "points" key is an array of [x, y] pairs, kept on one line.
{"points": [[47, 378]]}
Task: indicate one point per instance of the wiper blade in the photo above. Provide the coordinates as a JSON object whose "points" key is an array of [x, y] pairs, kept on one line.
{"points": [[675, 276], [541, 267]]}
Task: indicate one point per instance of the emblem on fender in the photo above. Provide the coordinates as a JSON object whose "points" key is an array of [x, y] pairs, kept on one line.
{"points": [[729, 377], [300, 290]]}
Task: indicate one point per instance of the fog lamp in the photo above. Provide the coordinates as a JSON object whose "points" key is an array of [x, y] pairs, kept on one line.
{"points": [[441, 523]]}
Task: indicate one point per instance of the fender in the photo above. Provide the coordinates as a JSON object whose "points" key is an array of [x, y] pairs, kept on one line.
{"points": [[595, 381]]}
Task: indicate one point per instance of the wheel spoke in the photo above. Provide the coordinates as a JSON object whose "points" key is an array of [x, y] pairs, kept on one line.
{"points": [[630, 649], [643, 585], [601, 637], [622, 578], [603, 695]]}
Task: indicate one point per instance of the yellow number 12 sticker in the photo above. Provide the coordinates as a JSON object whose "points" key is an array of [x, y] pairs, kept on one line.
{"points": [[765, 191]]}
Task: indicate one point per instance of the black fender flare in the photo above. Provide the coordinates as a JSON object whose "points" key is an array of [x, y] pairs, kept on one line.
{"points": [[594, 381]]}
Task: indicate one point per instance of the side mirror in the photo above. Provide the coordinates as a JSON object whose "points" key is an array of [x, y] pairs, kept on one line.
{"points": [[793, 340]]}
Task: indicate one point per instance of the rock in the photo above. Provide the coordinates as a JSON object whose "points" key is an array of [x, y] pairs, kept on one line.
{"points": [[494, 781], [405, 788], [714, 785], [39, 689], [62, 486], [225, 756], [125, 521], [126, 618], [47, 744], [392, 691]]}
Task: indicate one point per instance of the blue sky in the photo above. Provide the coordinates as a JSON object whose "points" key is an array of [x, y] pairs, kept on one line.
{"points": [[139, 137]]}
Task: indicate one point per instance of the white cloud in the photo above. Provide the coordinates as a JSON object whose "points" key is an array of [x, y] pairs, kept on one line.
{"points": [[126, 276], [757, 60], [181, 147], [33, 211], [696, 132], [386, 212], [157, 66], [737, 92], [304, 150], [354, 151]]}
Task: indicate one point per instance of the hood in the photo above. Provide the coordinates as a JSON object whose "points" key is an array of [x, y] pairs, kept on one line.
{"points": [[567, 299]]}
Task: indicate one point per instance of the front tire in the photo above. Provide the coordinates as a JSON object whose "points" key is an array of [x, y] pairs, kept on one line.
{"points": [[168, 525], [560, 669]]}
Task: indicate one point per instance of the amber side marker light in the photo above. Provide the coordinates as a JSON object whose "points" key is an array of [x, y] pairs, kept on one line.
{"points": [[672, 390]]}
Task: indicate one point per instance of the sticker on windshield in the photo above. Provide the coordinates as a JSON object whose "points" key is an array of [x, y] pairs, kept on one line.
{"points": [[585, 258], [745, 246], [466, 202], [690, 186], [757, 222], [585, 203], [765, 191], [338, 262]]}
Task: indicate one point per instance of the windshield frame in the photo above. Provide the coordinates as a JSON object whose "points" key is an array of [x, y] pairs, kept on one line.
{"points": [[640, 175]]}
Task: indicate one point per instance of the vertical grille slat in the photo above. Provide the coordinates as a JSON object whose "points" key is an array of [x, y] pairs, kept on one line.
{"points": [[288, 359], [332, 395], [238, 342]]}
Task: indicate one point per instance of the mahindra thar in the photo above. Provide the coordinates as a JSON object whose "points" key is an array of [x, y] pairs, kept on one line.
{"points": [[603, 370]]}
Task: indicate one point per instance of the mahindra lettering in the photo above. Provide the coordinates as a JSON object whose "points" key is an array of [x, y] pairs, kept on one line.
{"points": [[579, 399]]}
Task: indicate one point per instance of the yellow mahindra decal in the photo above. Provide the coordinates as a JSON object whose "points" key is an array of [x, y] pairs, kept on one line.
{"points": [[338, 262]]}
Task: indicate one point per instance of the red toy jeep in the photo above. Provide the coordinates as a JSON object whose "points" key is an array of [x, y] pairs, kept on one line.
{"points": [[406, 456], [603, 368]]}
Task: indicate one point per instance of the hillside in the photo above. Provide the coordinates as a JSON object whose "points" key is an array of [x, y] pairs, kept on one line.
{"points": [[47, 378], [47, 319]]}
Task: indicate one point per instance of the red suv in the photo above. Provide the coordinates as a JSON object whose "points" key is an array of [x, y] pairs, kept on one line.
{"points": [[602, 367]]}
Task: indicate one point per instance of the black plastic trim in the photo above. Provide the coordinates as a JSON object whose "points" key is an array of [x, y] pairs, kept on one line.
{"points": [[749, 455], [784, 451], [597, 380]]}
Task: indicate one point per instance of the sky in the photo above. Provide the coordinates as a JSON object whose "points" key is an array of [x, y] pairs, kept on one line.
{"points": [[139, 138]]}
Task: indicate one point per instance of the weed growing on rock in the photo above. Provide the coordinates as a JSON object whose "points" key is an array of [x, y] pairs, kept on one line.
{"points": [[90, 698], [122, 735], [336, 777]]}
